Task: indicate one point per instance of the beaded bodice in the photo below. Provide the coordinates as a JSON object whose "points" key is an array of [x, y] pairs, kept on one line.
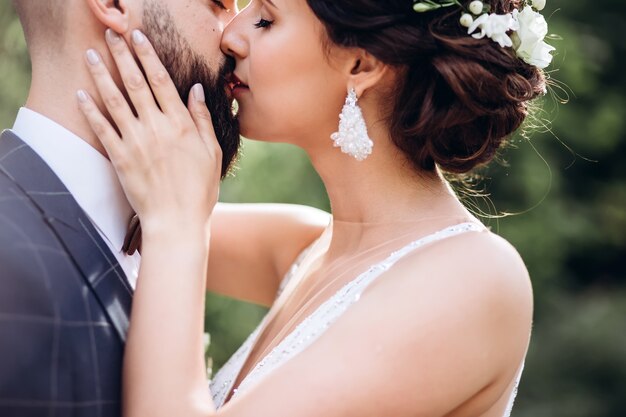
{"points": [[315, 324]]}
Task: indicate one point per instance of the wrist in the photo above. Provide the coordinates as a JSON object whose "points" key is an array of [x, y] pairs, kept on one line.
{"points": [[174, 230]]}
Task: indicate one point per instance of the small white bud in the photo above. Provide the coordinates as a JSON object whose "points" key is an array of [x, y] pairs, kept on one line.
{"points": [[467, 20], [476, 7], [539, 4], [422, 7]]}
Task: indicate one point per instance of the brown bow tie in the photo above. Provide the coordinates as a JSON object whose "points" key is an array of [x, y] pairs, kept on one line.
{"points": [[132, 241]]}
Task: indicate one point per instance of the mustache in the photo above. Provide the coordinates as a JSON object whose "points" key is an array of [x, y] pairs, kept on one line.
{"points": [[227, 69]]}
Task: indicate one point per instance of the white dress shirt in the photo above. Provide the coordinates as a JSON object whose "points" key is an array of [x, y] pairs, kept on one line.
{"points": [[88, 175]]}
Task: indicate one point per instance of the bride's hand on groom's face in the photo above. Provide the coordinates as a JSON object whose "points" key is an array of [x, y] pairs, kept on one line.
{"points": [[167, 157]]}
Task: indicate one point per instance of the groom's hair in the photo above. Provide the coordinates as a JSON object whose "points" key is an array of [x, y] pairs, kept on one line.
{"points": [[41, 19]]}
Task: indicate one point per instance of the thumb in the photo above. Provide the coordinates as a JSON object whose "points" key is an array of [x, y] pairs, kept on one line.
{"points": [[201, 116]]}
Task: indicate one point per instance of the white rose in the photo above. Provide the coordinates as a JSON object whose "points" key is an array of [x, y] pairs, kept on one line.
{"points": [[529, 38], [495, 27], [539, 4]]}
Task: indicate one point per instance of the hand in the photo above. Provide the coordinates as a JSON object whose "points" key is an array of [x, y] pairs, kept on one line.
{"points": [[167, 157]]}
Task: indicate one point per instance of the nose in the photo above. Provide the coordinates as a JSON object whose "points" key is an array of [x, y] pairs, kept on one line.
{"points": [[234, 42]]}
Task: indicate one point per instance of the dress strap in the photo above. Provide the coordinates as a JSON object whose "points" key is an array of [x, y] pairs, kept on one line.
{"points": [[440, 235]]}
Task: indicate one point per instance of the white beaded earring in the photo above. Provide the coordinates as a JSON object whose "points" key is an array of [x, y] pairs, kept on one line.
{"points": [[352, 136]]}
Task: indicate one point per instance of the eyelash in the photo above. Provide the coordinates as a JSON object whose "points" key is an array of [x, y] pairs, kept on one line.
{"points": [[263, 24], [220, 4]]}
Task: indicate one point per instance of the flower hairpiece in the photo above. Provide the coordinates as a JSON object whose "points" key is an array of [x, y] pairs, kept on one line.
{"points": [[523, 30]]}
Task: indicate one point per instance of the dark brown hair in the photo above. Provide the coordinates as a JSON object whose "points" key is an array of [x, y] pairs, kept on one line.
{"points": [[458, 98]]}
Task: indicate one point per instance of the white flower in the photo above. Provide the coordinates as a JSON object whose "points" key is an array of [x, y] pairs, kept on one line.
{"points": [[424, 7], [495, 27], [529, 38], [539, 4], [476, 7], [467, 20]]}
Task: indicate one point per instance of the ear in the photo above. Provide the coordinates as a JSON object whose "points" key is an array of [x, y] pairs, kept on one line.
{"points": [[113, 14], [366, 72]]}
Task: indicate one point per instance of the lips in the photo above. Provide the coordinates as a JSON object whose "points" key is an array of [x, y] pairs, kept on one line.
{"points": [[236, 83]]}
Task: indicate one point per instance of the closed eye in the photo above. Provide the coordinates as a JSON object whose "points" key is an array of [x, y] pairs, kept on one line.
{"points": [[263, 23]]}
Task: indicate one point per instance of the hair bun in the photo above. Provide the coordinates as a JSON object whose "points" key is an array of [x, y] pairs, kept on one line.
{"points": [[458, 98]]}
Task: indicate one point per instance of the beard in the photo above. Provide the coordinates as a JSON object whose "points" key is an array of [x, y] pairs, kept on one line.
{"points": [[187, 68]]}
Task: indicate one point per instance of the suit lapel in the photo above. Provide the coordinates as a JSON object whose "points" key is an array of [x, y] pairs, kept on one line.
{"points": [[102, 273]]}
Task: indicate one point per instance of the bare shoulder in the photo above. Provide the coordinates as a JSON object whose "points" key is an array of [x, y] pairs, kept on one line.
{"points": [[481, 264], [464, 302], [442, 332], [480, 275], [476, 294]]}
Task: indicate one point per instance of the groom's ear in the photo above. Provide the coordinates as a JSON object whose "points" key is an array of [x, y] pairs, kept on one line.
{"points": [[113, 14]]}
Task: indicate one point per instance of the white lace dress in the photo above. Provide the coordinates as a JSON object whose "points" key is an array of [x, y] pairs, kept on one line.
{"points": [[316, 324]]}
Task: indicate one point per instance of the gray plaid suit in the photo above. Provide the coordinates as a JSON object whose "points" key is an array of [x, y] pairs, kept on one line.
{"points": [[64, 299]]}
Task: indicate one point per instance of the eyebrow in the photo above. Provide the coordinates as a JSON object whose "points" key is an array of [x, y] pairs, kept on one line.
{"points": [[272, 3]]}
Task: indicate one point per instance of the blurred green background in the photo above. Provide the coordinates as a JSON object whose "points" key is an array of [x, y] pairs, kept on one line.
{"points": [[568, 184]]}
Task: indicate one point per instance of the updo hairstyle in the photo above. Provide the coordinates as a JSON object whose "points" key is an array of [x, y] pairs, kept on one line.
{"points": [[458, 98]]}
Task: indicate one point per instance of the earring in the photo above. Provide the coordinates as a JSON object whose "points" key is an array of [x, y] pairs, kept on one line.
{"points": [[352, 136]]}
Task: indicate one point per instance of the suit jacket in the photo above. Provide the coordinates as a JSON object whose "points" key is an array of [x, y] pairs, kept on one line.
{"points": [[64, 299]]}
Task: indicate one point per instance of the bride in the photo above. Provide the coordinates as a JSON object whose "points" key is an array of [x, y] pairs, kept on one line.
{"points": [[403, 304]]}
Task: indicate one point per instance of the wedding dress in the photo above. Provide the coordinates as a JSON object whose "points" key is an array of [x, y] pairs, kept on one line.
{"points": [[318, 322]]}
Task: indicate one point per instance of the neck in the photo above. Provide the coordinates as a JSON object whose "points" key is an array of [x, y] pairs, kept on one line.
{"points": [[382, 197], [55, 81], [385, 188], [53, 94]]}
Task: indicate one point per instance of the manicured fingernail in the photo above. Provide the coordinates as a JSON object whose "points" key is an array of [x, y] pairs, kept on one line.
{"points": [[92, 57], [82, 96], [111, 36], [138, 37], [198, 92]]}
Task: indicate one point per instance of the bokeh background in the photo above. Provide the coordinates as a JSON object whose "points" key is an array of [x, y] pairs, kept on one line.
{"points": [[566, 182]]}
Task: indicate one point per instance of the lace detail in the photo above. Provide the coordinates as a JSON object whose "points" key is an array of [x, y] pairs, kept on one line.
{"points": [[311, 328], [509, 407], [222, 382]]}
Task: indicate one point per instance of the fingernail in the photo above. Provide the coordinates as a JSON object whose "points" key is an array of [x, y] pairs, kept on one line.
{"points": [[198, 92], [92, 57], [82, 96], [138, 37], [111, 36]]}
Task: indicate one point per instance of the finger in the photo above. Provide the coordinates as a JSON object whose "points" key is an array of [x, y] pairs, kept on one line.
{"points": [[134, 81], [100, 125], [112, 98], [162, 85], [202, 117]]}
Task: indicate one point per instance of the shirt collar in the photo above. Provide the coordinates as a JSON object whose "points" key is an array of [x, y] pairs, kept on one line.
{"points": [[86, 173]]}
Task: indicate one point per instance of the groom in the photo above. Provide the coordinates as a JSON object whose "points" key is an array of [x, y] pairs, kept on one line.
{"points": [[66, 285]]}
